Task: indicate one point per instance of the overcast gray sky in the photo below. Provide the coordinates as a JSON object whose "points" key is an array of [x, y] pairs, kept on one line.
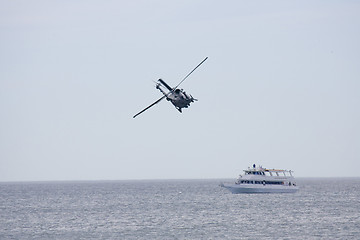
{"points": [[280, 88]]}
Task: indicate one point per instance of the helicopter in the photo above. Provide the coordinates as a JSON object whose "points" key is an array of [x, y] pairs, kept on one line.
{"points": [[178, 97]]}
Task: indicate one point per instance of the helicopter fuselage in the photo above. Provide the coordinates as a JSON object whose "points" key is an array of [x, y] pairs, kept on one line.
{"points": [[179, 98]]}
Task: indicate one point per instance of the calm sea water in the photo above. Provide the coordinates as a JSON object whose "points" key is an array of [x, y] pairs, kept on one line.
{"points": [[178, 209]]}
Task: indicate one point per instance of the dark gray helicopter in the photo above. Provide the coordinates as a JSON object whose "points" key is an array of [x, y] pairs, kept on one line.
{"points": [[178, 97]]}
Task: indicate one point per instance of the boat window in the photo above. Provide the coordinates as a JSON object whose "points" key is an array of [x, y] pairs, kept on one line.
{"points": [[274, 182]]}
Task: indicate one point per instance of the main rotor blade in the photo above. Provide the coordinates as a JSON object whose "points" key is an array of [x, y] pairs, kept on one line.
{"points": [[190, 73], [149, 106]]}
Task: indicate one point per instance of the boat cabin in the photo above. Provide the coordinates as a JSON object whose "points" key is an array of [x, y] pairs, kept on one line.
{"points": [[268, 172]]}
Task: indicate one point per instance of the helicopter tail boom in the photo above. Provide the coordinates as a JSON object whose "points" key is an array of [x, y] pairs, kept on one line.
{"points": [[165, 84]]}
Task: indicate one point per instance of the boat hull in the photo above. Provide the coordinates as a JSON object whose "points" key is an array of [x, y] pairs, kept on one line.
{"points": [[249, 188]]}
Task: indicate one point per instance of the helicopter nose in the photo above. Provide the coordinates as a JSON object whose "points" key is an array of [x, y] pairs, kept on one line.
{"points": [[193, 99]]}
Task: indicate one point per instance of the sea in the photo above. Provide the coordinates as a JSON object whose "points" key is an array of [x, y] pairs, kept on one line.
{"points": [[323, 208]]}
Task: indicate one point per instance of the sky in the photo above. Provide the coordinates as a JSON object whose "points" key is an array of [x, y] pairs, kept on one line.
{"points": [[280, 88]]}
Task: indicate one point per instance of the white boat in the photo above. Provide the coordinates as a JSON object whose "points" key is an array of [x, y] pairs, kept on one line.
{"points": [[263, 180]]}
